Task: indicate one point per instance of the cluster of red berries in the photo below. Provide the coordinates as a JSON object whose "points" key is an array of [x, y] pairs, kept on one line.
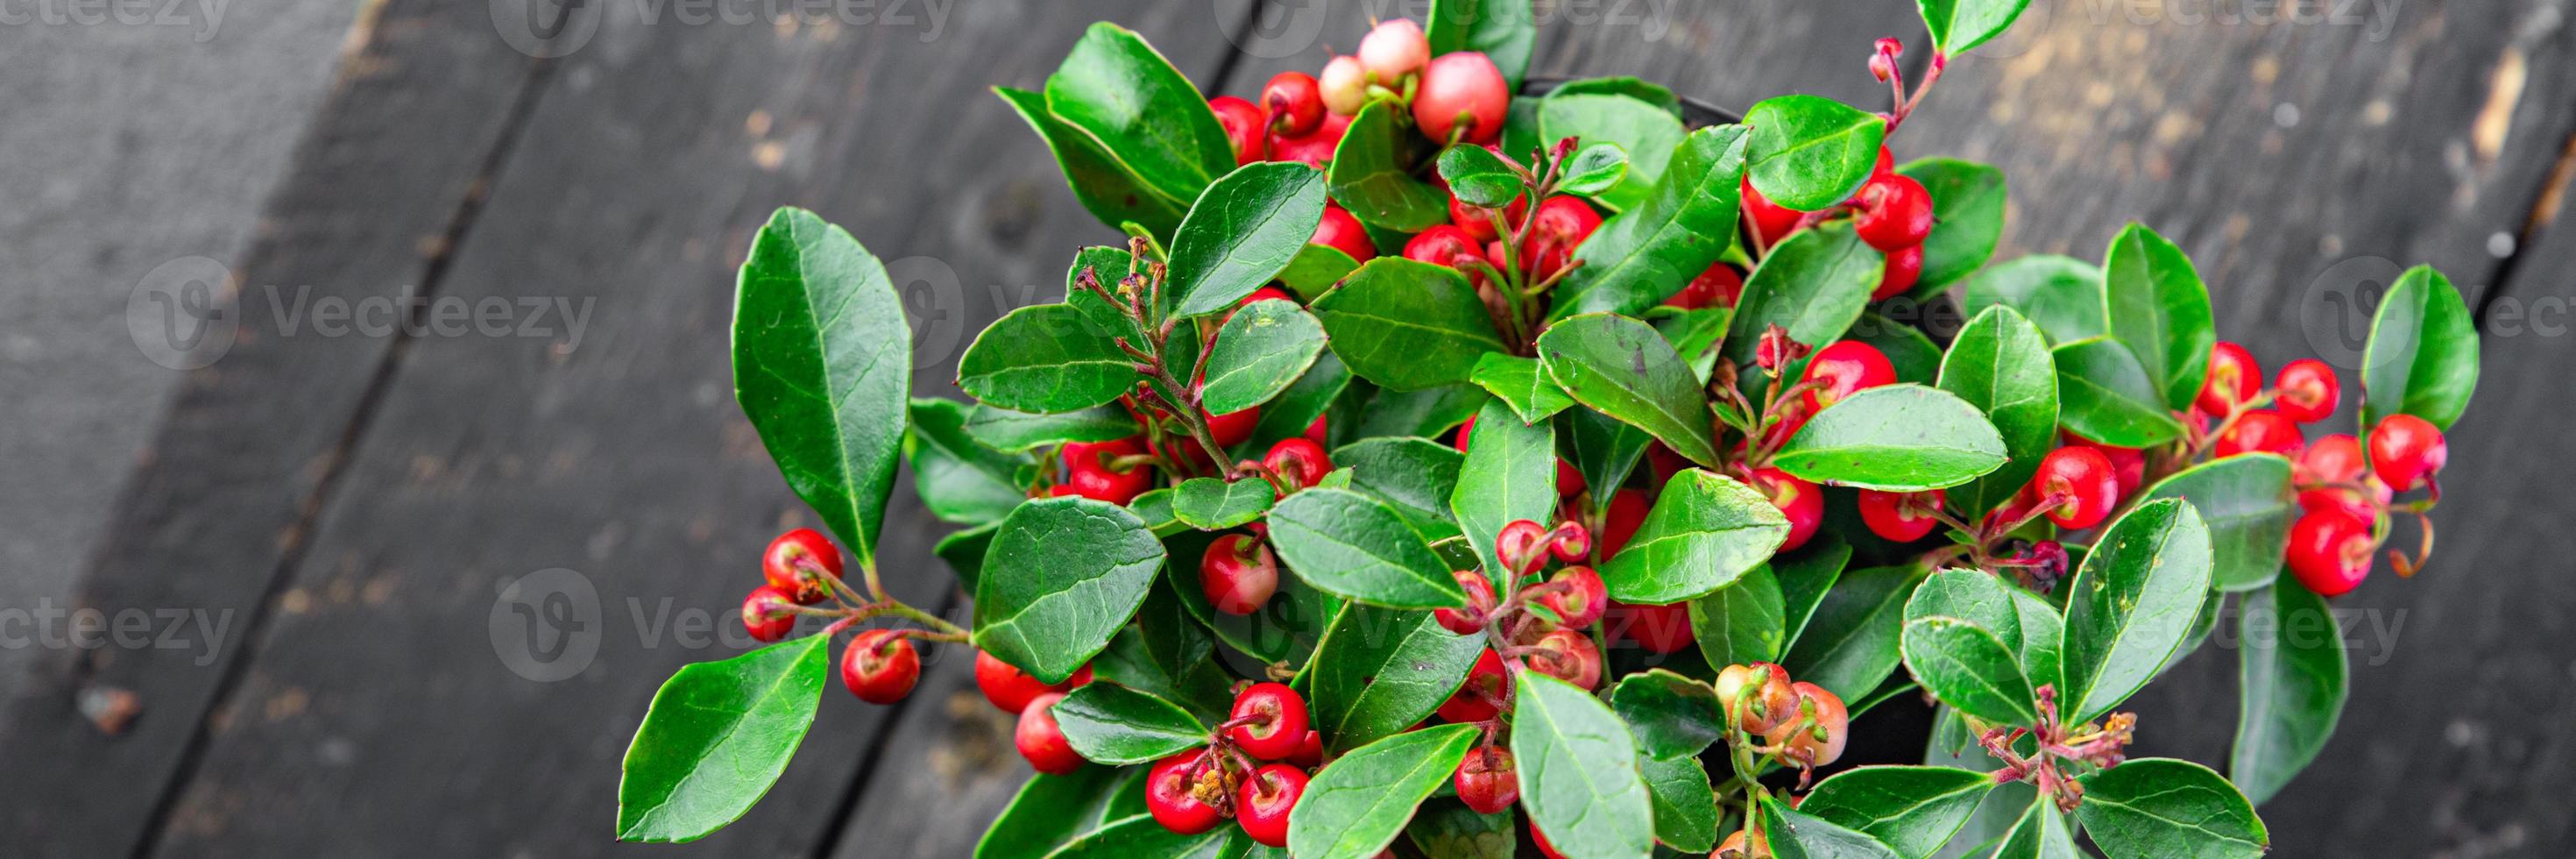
{"points": [[1891, 211], [801, 568], [1021, 694]]}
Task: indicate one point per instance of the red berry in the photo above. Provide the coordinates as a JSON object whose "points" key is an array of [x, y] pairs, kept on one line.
{"points": [[2405, 450], [1487, 781], [2334, 459], [1843, 369], [1296, 102], [2081, 483], [1579, 597], [2234, 377], [1802, 502], [1010, 688], [1171, 796], [1475, 221], [1903, 517], [880, 666], [1279, 721], [1343, 85], [1720, 286], [1310, 753], [1480, 602], [1658, 628], [1830, 719], [2261, 431], [1041, 742], [1461, 87], [1443, 245], [1895, 212], [1243, 129], [1569, 479], [794, 561], [1266, 293], [2307, 390], [2350, 502], [768, 613], [1627, 512], [1238, 574], [1315, 432], [1342, 232], [1486, 683], [2129, 463], [1569, 656], [1886, 165], [1314, 150], [2330, 551], [1572, 543], [1771, 221], [1522, 546], [1093, 472], [1759, 695], [1263, 802], [1394, 48], [1298, 461], [1544, 848], [1904, 268], [1561, 225], [1234, 428]]}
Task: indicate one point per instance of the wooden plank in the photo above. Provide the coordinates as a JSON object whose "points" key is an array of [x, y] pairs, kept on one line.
{"points": [[377, 701], [249, 443]]}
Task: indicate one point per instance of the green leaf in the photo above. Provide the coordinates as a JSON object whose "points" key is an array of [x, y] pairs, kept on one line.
{"points": [[1448, 829], [1646, 132], [717, 735], [1594, 170], [1509, 474], [2001, 365], [1062, 576], [1653, 248], [1796, 835], [1704, 531], [2041, 834], [1669, 715], [2247, 503], [822, 365], [1416, 476], [2158, 307], [1140, 837], [1019, 432], [1814, 284], [960, 480], [1211, 504], [2043, 633], [1684, 805], [1850, 643], [1478, 177], [1578, 771], [1967, 218], [1806, 576], [1408, 325], [1911, 809], [1381, 671], [964, 551], [2104, 395], [1958, 25], [1503, 30], [1353, 546], [1623, 368], [1695, 335], [1601, 448], [1241, 233], [2061, 295], [1263, 348], [1357, 804], [2293, 676], [2422, 358], [2131, 604], [1911, 353], [1976, 597], [1637, 88], [1045, 358], [2165, 807], [1967, 667], [1425, 413], [1112, 724], [1285, 629], [1165, 654], [1316, 268], [1308, 398], [1372, 172], [1742, 623], [1899, 438], [1521, 384], [1810, 152], [1142, 111], [1053, 810], [1109, 189]]}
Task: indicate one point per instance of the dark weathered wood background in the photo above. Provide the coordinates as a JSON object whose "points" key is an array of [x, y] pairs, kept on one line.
{"points": [[356, 503]]}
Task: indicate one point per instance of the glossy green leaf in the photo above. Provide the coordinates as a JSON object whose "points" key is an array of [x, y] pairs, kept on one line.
{"points": [[1359, 803], [1704, 531], [1051, 811], [2041, 834], [1316, 269], [1521, 384], [1850, 643], [1797, 835], [1415, 476], [2164, 807], [1505, 31], [1899, 438], [1381, 671], [2000, 364], [1143, 112], [2104, 395], [2247, 503], [1684, 804], [1478, 177], [1107, 187], [1242, 232], [1165, 654], [1911, 809], [1372, 172], [1594, 170], [2158, 307], [716, 737], [1909, 351], [1601, 448], [1744, 622], [1958, 25], [1623, 368], [822, 365], [1669, 715], [1285, 629], [1637, 88], [1968, 219], [1212, 504], [1111, 724], [2061, 295], [2422, 358], [1952, 745], [1425, 413], [1308, 398], [1356, 547], [1062, 576], [1446, 828], [1805, 577], [1263, 348], [959, 479], [2130, 604], [1809, 152], [1408, 325], [1646, 132], [1968, 668], [1018, 432], [1045, 358], [964, 551], [1140, 837], [1815, 285], [1509, 474], [1695, 335], [2043, 632], [2293, 676], [1976, 597], [1578, 771], [1653, 248]]}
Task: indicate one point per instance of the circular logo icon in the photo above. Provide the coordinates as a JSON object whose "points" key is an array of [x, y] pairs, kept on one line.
{"points": [[2336, 311], [182, 314], [1279, 30], [546, 624], [936, 302], [546, 29]]}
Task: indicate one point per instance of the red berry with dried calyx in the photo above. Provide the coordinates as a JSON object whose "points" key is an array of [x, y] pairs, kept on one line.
{"points": [[1733, 847], [1298, 462], [2306, 390], [1845, 368], [1110, 471], [2330, 551], [1576, 595], [1480, 603], [1895, 212], [1244, 131], [1294, 102], [1522, 546], [1487, 781], [1571, 543], [1277, 721], [1567, 655], [2405, 450], [1903, 517], [1262, 802], [795, 562], [1171, 796], [2077, 486], [1487, 682], [1760, 695], [1559, 226], [880, 666], [1238, 574], [2234, 378], [2261, 431], [1463, 97], [1011, 689], [768, 613], [1443, 245], [1041, 742]]}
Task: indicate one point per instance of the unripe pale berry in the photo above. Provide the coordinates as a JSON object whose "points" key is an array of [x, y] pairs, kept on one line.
{"points": [[1393, 49], [1760, 695], [1818, 741], [1343, 85], [1462, 87]]}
